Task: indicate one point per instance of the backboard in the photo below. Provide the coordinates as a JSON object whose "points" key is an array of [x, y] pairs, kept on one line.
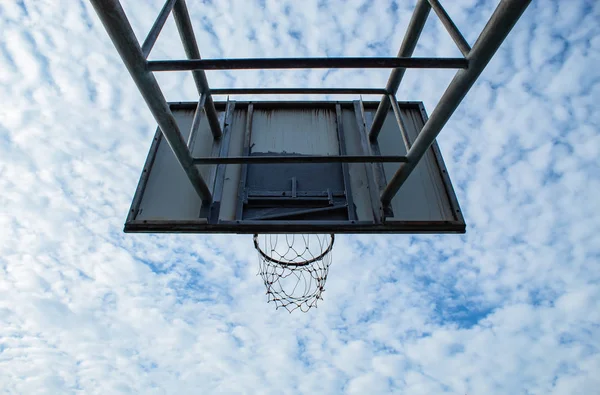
{"points": [[295, 167], [298, 167]]}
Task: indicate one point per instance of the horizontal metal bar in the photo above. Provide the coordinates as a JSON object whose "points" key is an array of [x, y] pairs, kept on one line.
{"points": [[300, 213], [307, 63], [287, 226], [157, 27], [498, 27], [289, 104], [294, 91], [288, 199], [300, 194], [458, 38], [233, 160]]}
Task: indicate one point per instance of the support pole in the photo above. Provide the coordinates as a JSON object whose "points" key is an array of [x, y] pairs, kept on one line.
{"points": [[415, 27], [116, 24], [400, 122], [453, 31], [186, 32], [196, 122], [157, 27], [500, 24]]}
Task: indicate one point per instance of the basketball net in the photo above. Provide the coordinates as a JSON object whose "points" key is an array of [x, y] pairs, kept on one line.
{"points": [[294, 268]]}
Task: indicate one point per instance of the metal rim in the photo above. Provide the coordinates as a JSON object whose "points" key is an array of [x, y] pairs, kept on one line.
{"points": [[278, 262]]}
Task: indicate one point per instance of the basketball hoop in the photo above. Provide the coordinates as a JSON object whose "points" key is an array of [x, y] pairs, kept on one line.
{"points": [[294, 268]]}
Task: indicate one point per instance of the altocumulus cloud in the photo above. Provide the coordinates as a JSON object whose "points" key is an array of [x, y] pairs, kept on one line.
{"points": [[510, 307]]}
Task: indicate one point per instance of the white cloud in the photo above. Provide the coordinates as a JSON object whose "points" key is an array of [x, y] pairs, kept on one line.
{"points": [[510, 307]]}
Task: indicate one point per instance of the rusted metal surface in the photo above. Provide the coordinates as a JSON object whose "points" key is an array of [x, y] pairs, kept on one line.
{"points": [[302, 131]]}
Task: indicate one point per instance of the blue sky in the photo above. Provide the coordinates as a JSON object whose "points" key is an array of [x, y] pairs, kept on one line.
{"points": [[509, 307]]}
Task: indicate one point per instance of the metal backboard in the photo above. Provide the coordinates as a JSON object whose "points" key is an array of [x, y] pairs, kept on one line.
{"points": [[298, 167], [295, 167]]}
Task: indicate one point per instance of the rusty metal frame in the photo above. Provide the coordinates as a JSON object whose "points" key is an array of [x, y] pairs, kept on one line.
{"points": [[142, 71]]}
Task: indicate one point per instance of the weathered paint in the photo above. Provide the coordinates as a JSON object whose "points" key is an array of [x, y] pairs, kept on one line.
{"points": [[304, 131], [358, 174], [232, 172]]}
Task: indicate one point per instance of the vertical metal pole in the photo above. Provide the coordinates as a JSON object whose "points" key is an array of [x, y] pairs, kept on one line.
{"points": [[345, 166], [186, 32], [116, 24], [500, 24], [415, 27], [242, 196], [369, 168]]}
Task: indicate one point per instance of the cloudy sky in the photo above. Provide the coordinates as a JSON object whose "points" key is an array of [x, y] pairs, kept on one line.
{"points": [[509, 307]]}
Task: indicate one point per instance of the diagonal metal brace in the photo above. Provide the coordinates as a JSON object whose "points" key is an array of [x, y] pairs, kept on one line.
{"points": [[186, 32], [116, 24], [497, 29]]}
